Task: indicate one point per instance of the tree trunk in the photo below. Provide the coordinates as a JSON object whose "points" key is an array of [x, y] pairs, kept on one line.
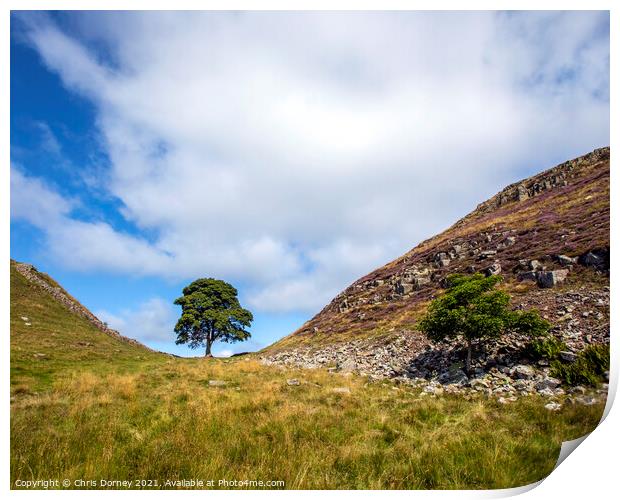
{"points": [[468, 359], [208, 350]]}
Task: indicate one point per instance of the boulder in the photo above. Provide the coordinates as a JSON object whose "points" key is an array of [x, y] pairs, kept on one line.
{"points": [[534, 265], [549, 279], [456, 377], [547, 383], [553, 406], [521, 194], [493, 269], [595, 258], [292, 381], [522, 372], [479, 384], [217, 383], [341, 390], [565, 260], [486, 254], [567, 356], [403, 288]]}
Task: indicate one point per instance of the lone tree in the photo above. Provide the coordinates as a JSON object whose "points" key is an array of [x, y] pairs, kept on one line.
{"points": [[473, 310], [210, 312]]}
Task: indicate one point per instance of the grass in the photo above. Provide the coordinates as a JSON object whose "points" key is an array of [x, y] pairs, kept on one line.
{"points": [[165, 422], [117, 412]]}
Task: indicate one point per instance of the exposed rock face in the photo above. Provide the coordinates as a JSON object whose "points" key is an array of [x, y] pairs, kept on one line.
{"points": [[547, 237], [32, 275]]}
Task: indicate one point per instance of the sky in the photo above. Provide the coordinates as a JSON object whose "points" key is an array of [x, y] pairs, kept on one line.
{"points": [[288, 153]]}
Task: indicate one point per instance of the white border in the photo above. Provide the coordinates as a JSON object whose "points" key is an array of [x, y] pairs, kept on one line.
{"points": [[588, 473]]}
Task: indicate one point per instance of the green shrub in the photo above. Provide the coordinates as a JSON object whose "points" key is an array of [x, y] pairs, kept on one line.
{"points": [[597, 356], [587, 369], [547, 347]]}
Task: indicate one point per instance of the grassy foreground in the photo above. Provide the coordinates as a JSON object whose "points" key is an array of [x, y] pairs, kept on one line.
{"points": [[115, 412]]}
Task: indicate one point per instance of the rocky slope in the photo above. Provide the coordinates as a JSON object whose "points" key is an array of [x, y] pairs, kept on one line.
{"points": [[547, 236]]}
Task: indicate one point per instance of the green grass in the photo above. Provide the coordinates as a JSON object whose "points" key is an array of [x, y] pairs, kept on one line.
{"points": [[115, 411]]}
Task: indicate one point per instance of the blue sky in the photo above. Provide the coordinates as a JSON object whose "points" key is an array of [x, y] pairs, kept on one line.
{"points": [[287, 153]]}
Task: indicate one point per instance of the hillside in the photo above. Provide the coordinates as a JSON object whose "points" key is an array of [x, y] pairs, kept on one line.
{"points": [[50, 330], [547, 236]]}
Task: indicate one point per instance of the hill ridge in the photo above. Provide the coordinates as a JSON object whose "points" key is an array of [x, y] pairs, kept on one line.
{"points": [[29, 272]]}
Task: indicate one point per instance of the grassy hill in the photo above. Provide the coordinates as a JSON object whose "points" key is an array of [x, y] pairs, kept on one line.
{"points": [[47, 338], [86, 405]]}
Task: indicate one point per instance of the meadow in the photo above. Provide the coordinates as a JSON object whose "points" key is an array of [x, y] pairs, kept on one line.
{"points": [[86, 407]]}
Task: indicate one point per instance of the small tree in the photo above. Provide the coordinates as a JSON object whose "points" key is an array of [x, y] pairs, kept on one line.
{"points": [[473, 310], [210, 312]]}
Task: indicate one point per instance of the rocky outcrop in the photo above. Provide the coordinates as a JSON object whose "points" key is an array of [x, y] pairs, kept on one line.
{"points": [[31, 274], [502, 368], [553, 178]]}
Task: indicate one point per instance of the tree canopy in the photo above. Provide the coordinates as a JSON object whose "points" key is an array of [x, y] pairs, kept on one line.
{"points": [[472, 309], [211, 312]]}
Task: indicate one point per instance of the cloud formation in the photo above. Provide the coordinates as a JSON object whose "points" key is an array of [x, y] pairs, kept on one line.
{"points": [[152, 320], [294, 152]]}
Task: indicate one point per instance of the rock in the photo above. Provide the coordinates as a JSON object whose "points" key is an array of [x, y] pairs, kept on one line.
{"points": [[549, 279], [456, 377], [547, 393], [479, 384], [553, 406], [547, 383], [506, 400], [348, 365], [24, 318], [40, 355], [341, 390], [586, 400], [522, 372], [493, 270], [28, 324], [594, 258], [292, 381], [534, 265], [217, 383], [486, 254], [511, 240], [567, 356], [565, 260], [402, 288], [528, 276], [433, 389]]}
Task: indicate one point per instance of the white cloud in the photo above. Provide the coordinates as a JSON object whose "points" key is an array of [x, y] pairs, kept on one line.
{"points": [[294, 152], [33, 201], [153, 320]]}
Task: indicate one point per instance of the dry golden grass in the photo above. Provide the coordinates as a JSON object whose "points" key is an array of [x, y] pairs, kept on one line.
{"points": [[166, 422]]}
